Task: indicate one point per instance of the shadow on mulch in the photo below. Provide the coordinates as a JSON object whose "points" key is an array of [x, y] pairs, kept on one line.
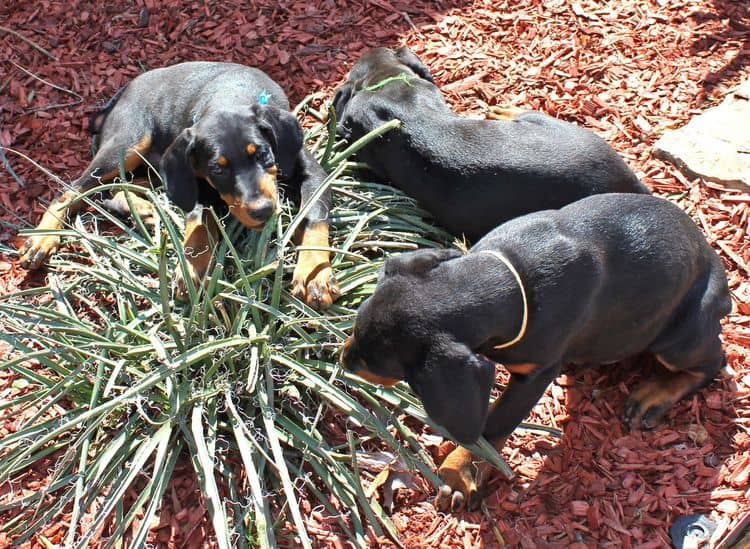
{"points": [[737, 15], [619, 486]]}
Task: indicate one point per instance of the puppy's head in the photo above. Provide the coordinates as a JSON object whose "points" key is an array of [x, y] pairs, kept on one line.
{"points": [[375, 66], [240, 153], [398, 336]]}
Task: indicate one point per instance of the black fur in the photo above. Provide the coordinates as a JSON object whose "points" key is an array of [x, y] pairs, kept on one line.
{"points": [[195, 112]]}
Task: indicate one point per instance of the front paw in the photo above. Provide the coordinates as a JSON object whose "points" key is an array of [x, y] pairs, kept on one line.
{"points": [[500, 112], [462, 482], [316, 285], [37, 249]]}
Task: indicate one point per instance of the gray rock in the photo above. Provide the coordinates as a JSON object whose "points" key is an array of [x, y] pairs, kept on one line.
{"points": [[714, 145]]}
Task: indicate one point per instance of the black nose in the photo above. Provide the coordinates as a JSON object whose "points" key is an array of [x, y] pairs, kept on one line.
{"points": [[263, 210]]}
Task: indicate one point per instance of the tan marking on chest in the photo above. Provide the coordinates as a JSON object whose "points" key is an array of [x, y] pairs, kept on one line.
{"points": [[522, 369]]}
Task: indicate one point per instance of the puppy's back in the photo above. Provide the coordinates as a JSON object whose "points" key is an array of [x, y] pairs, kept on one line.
{"points": [[168, 98], [627, 262]]}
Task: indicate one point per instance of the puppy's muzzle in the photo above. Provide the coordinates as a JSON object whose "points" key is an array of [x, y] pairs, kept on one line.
{"points": [[261, 210], [359, 366], [253, 214]]}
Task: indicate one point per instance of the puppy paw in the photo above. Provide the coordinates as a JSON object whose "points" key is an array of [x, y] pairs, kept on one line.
{"points": [[499, 112], [649, 401], [119, 204], [37, 249], [316, 285], [462, 482]]}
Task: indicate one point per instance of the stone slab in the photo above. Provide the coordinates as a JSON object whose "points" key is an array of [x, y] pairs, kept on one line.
{"points": [[714, 145]]}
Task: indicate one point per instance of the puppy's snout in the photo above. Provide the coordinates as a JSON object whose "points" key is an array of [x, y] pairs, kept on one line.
{"points": [[261, 209], [345, 359]]}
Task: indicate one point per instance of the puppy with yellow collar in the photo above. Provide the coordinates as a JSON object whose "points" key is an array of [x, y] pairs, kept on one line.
{"points": [[602, 279]]}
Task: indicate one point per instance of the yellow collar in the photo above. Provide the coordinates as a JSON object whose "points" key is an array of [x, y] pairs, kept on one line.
{"points": [[525, 320]]}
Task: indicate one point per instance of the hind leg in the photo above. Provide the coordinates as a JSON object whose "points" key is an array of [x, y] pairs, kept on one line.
{"points": [[124, 204], [684, 373], [104, 167]]}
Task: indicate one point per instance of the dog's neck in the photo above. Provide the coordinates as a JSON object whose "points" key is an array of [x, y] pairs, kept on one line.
{"points": [[481, 300], [373, 85], [522, 294]]}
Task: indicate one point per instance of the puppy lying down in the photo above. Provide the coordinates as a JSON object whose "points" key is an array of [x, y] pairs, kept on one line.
{"points": [[471, 175]]}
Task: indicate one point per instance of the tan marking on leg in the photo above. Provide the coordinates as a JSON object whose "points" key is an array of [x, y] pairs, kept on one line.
{"points": [[463, 475], [38, 248], [652, 398], [58, 211], [200, 238], [522, 369], [313, 278], [498, 112], [132, 158], [143, 207]]}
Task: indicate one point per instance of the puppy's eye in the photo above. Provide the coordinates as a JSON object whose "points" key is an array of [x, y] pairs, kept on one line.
{"points": [[264, 157], [219, 165]]}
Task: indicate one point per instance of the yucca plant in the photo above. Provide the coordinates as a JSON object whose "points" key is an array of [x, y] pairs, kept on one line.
{"points": [[120, 380]]}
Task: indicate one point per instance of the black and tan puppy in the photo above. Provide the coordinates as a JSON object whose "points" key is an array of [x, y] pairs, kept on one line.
{"points": [[471, 175], [223, 136], [602, 279]]}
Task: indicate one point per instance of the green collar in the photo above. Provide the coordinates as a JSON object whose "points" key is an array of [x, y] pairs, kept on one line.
{"points": [[403, 77]]}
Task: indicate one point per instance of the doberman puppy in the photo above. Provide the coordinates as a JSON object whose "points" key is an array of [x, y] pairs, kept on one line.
{"points": [[223, 136], [471, 175], [602, 279]]}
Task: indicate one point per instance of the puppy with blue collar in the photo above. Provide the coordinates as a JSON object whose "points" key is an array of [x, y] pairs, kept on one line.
{"points": [[223, 137]]}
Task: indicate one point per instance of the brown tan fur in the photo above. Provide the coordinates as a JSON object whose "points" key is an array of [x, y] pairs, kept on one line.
{"points": [[313, 273]]}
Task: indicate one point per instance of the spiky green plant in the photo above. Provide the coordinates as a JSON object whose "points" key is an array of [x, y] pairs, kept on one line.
{"points": [[120, 380]]}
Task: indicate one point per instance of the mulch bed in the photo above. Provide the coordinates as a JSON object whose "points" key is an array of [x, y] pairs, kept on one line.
{"points": [[628, 70]]}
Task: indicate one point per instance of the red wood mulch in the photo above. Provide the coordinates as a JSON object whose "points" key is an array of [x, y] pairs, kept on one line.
{"points": [[628, 69]]}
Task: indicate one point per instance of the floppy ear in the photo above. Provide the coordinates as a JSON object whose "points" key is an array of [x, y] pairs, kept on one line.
{"points": [[283, 131], [177, 172], [410, 59], [454, 386], [420, 261], [341, 99]]}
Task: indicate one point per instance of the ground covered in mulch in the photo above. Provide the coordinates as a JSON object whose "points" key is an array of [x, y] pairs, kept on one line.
{"points": [[627, 69]]}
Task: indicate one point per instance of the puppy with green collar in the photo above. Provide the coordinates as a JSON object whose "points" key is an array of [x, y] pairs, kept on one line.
{"points": [[605, 278]]}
